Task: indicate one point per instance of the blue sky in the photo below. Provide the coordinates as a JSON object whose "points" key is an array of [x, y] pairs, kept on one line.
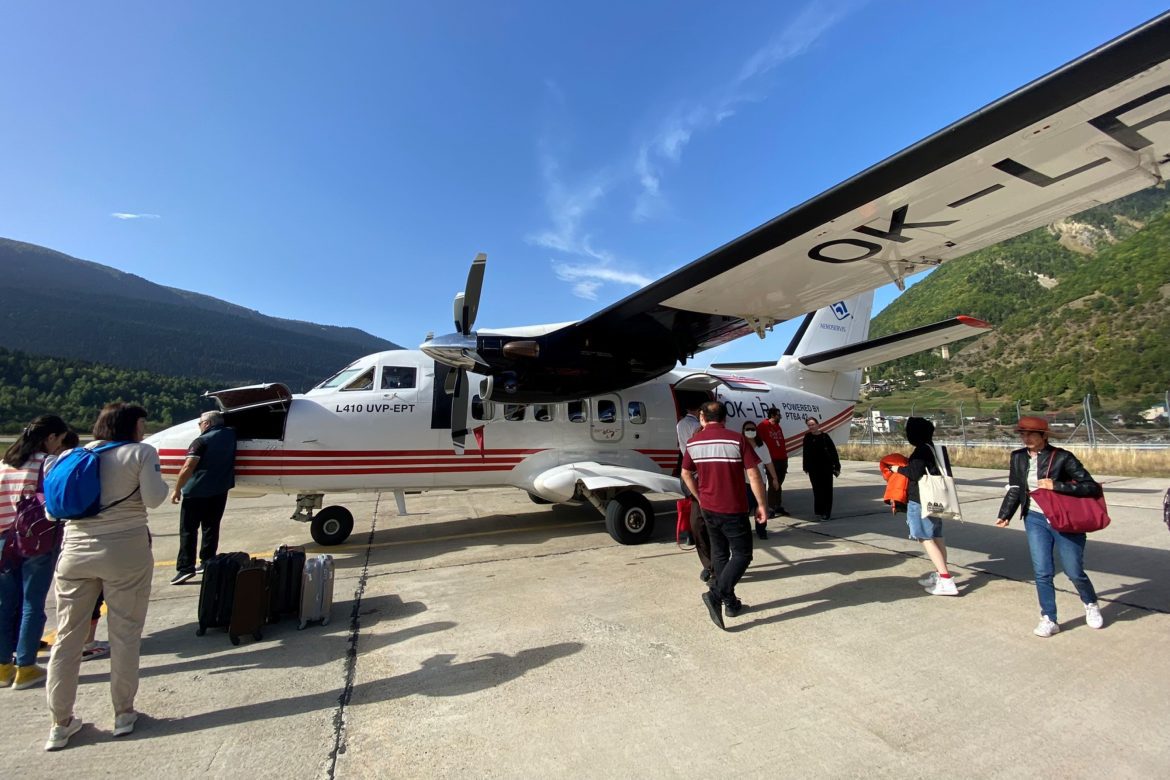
{"points": [[344, 162]]}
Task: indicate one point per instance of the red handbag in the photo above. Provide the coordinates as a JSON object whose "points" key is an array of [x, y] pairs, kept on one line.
{"points": [[1071, 514]]}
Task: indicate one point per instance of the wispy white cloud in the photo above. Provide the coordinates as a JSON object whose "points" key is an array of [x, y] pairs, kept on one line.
{"points": [[588, 279], [126, 215], [570, 205], [666, 146]]}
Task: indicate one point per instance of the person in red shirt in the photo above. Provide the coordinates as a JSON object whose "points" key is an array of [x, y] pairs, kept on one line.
{"points": [[721, 458], [773, 436]]}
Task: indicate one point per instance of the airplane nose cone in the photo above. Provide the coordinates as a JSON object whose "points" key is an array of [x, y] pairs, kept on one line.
{"points": [[454, 350]]}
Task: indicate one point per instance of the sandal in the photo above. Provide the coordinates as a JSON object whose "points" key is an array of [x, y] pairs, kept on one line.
{"points": [[95, 650]]}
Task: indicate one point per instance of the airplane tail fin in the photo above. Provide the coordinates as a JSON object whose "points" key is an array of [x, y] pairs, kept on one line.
{"points": [[833, 327]]}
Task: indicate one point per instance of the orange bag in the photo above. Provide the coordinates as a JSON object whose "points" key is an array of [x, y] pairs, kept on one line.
{"points": [[897, 486]]}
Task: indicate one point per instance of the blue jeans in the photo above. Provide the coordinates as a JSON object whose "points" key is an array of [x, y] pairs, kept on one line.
{"points": [[23, 589], [922, 528], [1041, 540]]}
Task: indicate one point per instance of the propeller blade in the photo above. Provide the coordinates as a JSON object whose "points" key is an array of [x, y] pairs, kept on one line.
{"points": [[451, 380], [459, 411], [467, 302]]}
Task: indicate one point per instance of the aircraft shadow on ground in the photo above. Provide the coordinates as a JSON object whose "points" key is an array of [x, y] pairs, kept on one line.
{"points": [[533, 528], [438, 676], [1142, 570], [283, 645]]}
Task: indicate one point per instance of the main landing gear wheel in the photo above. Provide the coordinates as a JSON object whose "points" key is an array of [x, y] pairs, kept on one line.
{"points": [[538, 500], [629, 518], [332, 525]]}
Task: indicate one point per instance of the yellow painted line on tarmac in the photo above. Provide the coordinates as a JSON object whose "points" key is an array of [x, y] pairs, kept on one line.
{"points": [[405, 542]]}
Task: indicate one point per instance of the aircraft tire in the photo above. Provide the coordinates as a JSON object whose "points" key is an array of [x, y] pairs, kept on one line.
{"points": [[629, 518], [538, 500], [332, 525]]}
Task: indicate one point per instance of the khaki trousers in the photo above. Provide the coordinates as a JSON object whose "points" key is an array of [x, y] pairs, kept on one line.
{"points": [[121, 564]]}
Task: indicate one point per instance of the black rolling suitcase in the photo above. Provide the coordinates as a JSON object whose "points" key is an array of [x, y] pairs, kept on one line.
{"points": [[288, 563], [218, 590], [250, 603]]}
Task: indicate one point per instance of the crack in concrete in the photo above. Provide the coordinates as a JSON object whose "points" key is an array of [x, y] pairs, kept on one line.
{"points": [[351, 653]]}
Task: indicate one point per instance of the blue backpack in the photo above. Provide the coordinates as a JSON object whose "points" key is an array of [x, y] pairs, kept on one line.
{"points": [[73, 486]]}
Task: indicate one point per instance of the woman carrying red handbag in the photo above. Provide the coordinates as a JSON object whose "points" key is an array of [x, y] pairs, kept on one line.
{"points": [[1039, 465]]}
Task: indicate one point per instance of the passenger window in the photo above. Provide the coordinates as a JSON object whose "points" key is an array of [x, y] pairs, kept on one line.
{"points": [[397, 377], [480, 409], [606, 412], [542, 413], [636, 410], [514, 412], [577, 411], [363, 382]]}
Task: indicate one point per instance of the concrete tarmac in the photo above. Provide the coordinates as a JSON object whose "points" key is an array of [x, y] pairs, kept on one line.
{"points": [[485, 636]]}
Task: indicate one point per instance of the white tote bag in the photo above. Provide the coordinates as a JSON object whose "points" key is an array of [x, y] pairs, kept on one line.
{"points": [[939, 498]]}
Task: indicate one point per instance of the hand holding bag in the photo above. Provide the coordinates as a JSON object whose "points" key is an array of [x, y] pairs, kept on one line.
{"points": [[939, 497], [1071, 514]]}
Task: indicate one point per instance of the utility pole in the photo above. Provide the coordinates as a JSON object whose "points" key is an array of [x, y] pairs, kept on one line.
{"points": [[1089, 428], [962, 424], [1017, 411]]}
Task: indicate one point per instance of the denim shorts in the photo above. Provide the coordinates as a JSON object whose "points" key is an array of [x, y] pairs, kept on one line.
{"points": [[922, 527]]}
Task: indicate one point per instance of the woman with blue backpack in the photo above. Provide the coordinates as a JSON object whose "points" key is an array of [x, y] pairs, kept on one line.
{"points": [[26, 560], [104, 491]]}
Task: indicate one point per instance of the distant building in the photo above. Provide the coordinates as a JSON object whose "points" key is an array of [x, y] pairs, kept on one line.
{"points": [[1153, 413]]}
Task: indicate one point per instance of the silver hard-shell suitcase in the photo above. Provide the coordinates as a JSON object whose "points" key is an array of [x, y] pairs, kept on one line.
{"points": [[317, 589]]}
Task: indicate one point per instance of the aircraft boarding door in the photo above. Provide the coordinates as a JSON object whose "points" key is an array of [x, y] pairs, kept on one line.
{"points": [[605, 422]]}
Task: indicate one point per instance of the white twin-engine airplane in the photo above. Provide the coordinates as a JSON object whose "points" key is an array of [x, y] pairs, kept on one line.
{"points": [[586, 410]]}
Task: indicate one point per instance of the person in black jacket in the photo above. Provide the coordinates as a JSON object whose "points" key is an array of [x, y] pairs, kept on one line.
{"points": [[1040, 465], [821, 464], [923, 528]]}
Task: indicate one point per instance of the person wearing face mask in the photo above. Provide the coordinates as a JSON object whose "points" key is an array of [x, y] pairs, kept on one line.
{"points": [[766, 468]]}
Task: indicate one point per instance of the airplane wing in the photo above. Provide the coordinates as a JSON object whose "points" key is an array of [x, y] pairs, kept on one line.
{"points": [[908, 342], [1090, 132], [559, 483]]}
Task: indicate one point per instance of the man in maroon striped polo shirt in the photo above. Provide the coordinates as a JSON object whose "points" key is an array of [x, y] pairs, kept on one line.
{"points": [[721, 458]]}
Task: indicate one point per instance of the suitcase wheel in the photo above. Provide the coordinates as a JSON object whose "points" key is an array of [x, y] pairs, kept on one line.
{"points": [[258, 635], [235, 639], [200, 631], [325, 620], [301, 627]]}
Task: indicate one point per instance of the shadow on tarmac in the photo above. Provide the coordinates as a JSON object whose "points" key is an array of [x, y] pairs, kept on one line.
{"points": [[437, 676], [1141, 569]]}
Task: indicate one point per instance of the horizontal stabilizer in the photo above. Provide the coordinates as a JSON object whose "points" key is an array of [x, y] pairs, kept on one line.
{"points": [[908, 342]]}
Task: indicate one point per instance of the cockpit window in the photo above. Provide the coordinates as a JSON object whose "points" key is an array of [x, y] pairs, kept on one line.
{"points": [[340, 378], [397, 377], [365, 381]]}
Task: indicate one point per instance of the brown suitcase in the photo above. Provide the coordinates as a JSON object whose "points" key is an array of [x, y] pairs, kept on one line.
{"points": [[251, 603]]}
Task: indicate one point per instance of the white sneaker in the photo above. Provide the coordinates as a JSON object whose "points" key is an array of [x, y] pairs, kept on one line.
{"points": [[943, 586], [929, 580], [124, 723], [1093, 616], [59, 735], [1046, 628]]}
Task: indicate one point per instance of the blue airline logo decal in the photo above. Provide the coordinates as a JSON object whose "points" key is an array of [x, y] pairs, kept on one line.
{"points": [[840, 309]]}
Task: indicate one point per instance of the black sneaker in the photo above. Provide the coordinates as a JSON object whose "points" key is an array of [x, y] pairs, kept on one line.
{"points": [[714, 608], [782, 512], [734, 610], [182, 577]]}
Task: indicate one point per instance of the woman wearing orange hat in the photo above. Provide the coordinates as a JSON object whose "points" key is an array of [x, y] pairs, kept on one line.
{"points": [[1040, 465]]}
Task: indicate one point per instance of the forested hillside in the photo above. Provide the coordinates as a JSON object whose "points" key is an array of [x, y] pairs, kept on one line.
{"points": [[1079, 307], [53, 304], [76, 390]]}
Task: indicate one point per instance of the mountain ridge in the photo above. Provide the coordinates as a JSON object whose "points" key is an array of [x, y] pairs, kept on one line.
{"points": [[127, 321]]}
